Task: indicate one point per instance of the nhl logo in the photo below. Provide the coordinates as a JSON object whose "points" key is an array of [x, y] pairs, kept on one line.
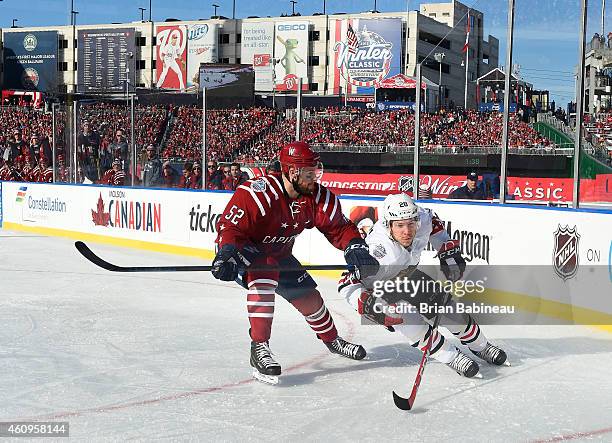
{"points": [[405, 183], [565, 255]]}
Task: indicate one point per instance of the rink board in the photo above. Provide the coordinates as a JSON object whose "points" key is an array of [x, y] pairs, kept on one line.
{"points": [[183, 222]]}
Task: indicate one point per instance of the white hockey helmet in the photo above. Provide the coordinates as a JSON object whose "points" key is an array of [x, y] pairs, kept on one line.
{"points": [[399, 207]]}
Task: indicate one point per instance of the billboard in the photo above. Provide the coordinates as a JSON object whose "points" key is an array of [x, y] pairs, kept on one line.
{"points": [[230, 80], [291, 53], [201, 48], [365, 52], [105, 59], [258, 50], [30, 60], [171, 64]]}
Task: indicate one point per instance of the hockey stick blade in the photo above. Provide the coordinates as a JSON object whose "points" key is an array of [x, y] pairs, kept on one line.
{"points": [[401, 402], [96, 260]]}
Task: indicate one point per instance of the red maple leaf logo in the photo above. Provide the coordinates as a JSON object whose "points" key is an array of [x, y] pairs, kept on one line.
{"points": [[100, 218]]}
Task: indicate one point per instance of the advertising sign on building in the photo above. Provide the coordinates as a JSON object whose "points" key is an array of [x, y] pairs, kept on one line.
{"points": [[201, 48], [171, 64], [365, 52], [258, 50], [30, 60], [291, 54]]}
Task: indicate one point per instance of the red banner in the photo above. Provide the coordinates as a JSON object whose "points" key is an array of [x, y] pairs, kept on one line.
{"points": [[171, 64], [521, 188]]}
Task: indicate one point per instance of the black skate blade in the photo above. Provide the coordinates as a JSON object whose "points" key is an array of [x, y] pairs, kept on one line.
{"points": [[401, 402], [268, 379]]}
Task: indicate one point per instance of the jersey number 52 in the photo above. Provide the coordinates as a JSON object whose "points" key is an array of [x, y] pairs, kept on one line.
{"points": [[234, 214]]}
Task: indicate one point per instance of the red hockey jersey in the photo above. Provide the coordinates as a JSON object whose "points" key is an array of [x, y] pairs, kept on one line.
{"points": [[260, 213]]}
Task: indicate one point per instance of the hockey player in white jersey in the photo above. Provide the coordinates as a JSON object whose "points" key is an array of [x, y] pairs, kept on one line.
{"points": [[397, 241]]}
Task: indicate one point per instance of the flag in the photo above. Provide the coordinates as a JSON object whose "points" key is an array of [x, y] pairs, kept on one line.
{"points": [[466, 46], [352, 40]]}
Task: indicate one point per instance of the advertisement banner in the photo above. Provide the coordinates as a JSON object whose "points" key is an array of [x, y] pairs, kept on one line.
{"points": [[201, 48], [171, 64], [30, 60], [291, 53], [105, 59], [258, 49], [519, 188], [365, 52]]}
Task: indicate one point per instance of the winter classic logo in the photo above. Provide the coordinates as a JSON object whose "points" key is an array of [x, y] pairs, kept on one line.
{"points": [[565, 254], [30, 42], [365, 59]]}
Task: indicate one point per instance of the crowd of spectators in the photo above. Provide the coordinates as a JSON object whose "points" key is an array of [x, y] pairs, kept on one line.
{"points": [[228, 132], [462, 129], [598, 131], [168, 138]]}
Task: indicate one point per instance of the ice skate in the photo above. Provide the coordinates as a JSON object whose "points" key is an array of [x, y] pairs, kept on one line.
{"points": [[465, 366], [346, 349], [493, 354], [265, 368]]}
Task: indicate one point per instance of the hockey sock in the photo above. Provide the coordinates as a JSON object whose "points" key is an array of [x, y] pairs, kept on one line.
{"points": [[317, 316], [418, 335], [469, 335], [260, 306]]}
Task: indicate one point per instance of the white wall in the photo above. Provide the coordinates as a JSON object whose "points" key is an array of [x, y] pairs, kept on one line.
{"points": [[521, 237]]}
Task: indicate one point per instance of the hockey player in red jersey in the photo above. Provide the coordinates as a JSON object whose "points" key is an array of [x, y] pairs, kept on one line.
{"points": [[257, 230]]}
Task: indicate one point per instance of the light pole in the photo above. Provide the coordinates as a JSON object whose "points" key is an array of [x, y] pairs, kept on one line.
{"points": [[324, 13], [375, 10], [150, 10], [439, 56], [142, 10], [274, 62], [293, 3], [234, 10], [14, 20], [214, 5]]}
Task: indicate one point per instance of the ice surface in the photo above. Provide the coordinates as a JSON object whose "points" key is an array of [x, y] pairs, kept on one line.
{"points": [[165, 356]]}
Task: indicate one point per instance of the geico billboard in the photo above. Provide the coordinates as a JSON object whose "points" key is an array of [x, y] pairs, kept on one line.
{"points": [[291, 51]]}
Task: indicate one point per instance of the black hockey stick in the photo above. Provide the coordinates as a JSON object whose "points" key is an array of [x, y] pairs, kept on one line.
{"points": [[406, 404], [92, 257]]}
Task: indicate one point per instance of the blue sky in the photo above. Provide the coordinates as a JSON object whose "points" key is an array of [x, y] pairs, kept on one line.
{"points": [[546, 39]]}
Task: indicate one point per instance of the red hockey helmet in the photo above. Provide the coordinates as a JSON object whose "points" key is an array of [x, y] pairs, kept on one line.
{"points": [[299, 155]]}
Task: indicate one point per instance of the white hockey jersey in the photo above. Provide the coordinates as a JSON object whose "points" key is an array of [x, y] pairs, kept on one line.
{"points": [[392, 256]]}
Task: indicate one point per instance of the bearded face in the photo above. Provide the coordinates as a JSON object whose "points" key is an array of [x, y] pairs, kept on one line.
{"points": [[305, 178]]}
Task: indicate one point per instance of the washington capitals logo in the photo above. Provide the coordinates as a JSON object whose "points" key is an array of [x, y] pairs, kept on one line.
{"points": [[295, 207], [565, 255]]}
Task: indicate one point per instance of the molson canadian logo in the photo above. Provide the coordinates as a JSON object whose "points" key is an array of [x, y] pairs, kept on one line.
{"points": [[365, 58], [127, 214]]}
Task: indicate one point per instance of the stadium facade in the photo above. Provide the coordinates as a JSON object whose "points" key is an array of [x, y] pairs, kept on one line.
{"points": [[334, 54]]}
